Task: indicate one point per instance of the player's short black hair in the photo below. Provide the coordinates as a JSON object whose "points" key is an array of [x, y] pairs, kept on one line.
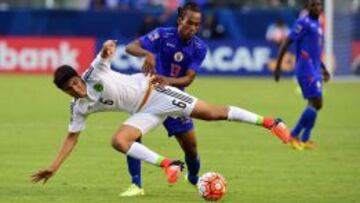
{"points": [[192, 6], [63, 74]]}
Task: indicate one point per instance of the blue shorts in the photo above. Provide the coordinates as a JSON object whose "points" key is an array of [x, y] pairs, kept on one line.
{"points": [[311, 86], [178, 126]]}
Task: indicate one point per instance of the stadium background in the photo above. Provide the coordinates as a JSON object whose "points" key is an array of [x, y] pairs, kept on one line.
{"points": [[234, 30], [38, 35]]}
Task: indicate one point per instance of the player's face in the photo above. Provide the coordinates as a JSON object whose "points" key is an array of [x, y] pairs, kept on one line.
{"points": [[314, 7], [189, 25], [75, 87]]}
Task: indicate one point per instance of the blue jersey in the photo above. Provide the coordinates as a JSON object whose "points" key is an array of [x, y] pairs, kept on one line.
{"points": [[173, 56], [308, 36]]}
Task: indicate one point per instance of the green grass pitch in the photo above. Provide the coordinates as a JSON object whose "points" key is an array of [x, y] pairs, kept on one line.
{"points": [[258, 167]]}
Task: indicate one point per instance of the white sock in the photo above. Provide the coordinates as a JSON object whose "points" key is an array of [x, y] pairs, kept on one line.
{"points": [[242, 115], [139, 151]]}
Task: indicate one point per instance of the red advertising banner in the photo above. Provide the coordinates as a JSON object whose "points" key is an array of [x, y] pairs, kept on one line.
{"points": [[355, 59], [42, 55], [355, 49]]}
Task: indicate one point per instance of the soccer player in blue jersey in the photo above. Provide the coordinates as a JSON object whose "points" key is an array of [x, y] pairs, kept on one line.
{"points": [[310, 70], [175, 55]]}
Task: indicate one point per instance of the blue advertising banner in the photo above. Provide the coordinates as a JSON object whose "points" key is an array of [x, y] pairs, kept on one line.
{"points": [[250, 58]]}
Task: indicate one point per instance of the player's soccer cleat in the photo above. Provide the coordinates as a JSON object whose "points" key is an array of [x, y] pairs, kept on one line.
{"points": [[279, 129], [296, 143], [132, 191], [310, 145], [173, 171]]}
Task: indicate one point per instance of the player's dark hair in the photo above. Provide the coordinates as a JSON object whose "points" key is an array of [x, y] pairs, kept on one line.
{"points": [[191, 6], [307, 3], [63, 74]]}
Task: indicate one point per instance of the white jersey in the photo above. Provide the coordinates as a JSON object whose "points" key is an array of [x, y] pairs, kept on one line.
{"points": [[107, 90]]}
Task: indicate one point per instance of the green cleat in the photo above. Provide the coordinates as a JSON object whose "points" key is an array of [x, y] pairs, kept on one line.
{"points": [[133, 191]]}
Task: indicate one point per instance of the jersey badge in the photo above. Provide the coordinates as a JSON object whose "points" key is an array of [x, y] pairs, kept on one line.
{"points": [[154, 36], [178, 56], [98, 87]]}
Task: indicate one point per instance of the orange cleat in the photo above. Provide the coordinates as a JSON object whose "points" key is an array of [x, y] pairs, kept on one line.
{"points": [[279, 129], [173, 171]]}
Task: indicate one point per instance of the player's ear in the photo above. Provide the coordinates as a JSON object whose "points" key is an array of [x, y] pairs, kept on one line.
{"points": [[178, 20]]}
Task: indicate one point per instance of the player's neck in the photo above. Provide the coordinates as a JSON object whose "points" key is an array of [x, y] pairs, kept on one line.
{"points": [[183, 40], [314, 17]]}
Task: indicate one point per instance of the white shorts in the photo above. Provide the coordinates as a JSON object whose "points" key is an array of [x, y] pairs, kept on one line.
{"points": [[163, 102]]}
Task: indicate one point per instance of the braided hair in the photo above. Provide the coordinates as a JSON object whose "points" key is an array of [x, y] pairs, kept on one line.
{"points": [[192, 6]]}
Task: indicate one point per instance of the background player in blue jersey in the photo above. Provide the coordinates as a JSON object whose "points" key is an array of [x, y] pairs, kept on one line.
{"points": [[310, 70], [175, 55]]}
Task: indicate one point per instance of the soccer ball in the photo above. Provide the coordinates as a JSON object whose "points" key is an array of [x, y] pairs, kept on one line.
{"points": [[211, 186]]}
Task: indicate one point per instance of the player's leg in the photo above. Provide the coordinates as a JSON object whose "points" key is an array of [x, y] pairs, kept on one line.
{"points": [[187, 141], [315, 104], [183, 129], [134, 169], [304, 83], [125, 138], [205, 111], [312, 91], [174, 102]]}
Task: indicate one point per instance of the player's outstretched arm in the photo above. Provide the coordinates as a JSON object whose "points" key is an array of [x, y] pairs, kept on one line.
{"points": [[108, 49], [134, 48], [177, 82], [68, 145], [282, 50]]}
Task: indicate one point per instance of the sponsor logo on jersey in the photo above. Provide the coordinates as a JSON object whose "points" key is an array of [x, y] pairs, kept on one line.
{"points": [[298, 28], [170, 45]]}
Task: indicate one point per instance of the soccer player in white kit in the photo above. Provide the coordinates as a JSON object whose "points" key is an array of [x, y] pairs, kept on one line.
{"points": [[149, 103]]}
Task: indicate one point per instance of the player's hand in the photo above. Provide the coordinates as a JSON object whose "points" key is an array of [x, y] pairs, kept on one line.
{"points": [[160, 80], [42, 175], [277, 73], [149, 64], [326, 75], [109, 48]]}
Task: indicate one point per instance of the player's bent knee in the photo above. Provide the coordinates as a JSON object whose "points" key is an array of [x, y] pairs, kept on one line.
{"points": [[319, 106], [120, 144]]}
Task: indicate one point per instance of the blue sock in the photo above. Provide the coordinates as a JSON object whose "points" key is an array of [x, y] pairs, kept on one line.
{"points": [[299, 125], [311, 118], [134, 168], [193, 165]]}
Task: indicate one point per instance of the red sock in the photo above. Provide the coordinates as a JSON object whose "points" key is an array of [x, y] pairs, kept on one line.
{"points": [[165, 163], [268, 122]]}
